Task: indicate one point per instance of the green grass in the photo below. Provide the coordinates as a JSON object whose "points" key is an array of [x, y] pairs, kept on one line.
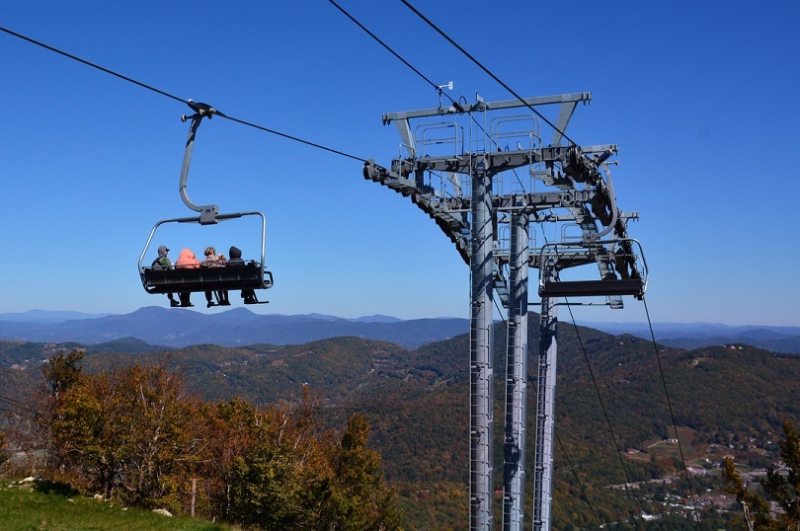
{"points": [[50, 507]]}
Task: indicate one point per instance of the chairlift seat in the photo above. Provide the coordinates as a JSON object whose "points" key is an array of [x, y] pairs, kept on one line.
{"points": [[229, 278], [589, 288], [632, 279]]}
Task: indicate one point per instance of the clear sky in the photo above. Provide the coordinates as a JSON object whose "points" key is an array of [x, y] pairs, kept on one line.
{"points": [[701, 97]]}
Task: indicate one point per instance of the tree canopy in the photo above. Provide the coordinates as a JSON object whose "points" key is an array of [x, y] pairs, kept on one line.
{"points": [[136, 435]]}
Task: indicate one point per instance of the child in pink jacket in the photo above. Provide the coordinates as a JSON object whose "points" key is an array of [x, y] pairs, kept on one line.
{"points": [[187, 260]]}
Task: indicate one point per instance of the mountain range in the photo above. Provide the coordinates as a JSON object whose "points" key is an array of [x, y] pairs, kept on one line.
{"points": [[417, 404], [178, 328], [784, 339]]}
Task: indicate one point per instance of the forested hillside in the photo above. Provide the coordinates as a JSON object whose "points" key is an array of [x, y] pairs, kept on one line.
{"points": [[727, 400]]}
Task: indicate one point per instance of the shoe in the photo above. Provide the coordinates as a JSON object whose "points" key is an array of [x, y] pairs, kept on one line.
{"points": [[225, 303], [210, 304], [250, 300], [173, 303], [187, 305]]}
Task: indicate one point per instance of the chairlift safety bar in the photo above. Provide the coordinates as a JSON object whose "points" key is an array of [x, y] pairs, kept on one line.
{"points": [[220, 217]]}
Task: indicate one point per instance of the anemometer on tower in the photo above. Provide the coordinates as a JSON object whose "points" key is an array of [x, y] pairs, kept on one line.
{"points": [[249, 276]]}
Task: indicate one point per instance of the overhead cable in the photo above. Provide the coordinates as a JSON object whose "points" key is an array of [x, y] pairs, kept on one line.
{"points": [[628, 484], [89, 63], [487, 71], [13, 401], [420, 74], [172, 96], [409, 65], [669, 404], [379, 41], [290, 137]]}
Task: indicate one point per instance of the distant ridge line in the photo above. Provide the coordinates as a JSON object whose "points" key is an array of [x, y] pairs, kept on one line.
{"points": [[176, 328]]}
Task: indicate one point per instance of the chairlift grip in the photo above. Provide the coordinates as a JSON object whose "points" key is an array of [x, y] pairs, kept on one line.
{"points": [[593, 237]]}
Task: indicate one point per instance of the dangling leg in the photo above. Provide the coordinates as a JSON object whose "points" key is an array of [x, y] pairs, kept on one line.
{"points": [[222, 298], [249, 296]]}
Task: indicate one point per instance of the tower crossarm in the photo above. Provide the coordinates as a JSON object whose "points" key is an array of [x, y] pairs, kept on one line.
{"points": [[480, 106], [498, 161], [586, 206], [453, 222]]}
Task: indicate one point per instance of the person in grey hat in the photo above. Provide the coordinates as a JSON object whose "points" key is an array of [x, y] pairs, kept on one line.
{"points": [[161, 263]]}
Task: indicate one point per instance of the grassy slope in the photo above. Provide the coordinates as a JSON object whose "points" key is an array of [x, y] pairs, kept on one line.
{"points": [[44, 506]]}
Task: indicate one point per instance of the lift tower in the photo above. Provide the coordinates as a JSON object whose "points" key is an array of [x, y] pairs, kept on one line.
{"points": [[461, 165]]}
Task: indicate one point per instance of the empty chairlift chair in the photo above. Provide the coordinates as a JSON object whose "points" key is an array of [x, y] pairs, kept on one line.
{"points": [[623, 270]]}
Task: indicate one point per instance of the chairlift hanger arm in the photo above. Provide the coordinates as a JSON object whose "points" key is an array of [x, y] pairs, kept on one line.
{"points": [[208, 213]]}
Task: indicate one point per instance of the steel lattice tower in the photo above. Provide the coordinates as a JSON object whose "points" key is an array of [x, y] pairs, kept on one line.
{"points": [[465, 177]]}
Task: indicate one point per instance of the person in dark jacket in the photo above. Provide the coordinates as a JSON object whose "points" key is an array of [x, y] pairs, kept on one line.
{"points": [[235, 260], [161, 263]]}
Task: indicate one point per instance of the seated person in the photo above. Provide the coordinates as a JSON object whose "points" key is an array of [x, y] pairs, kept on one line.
{"points": [[187, 260], [161, 263], [215, 260], [235, 260]]}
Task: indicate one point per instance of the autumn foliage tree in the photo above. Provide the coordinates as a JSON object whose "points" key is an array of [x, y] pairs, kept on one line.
{"points": [[62, 371], [134, 434]]}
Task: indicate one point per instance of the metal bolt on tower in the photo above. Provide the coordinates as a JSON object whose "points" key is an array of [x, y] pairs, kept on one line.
{"points": [[460, 168]]}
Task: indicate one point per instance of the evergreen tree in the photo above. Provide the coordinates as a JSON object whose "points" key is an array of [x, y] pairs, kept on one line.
{"points": [[62, 372], [280, 469], [783, 489]]}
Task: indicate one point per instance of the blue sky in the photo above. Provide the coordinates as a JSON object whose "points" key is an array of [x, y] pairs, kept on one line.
{"points": [[701, 97]]}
